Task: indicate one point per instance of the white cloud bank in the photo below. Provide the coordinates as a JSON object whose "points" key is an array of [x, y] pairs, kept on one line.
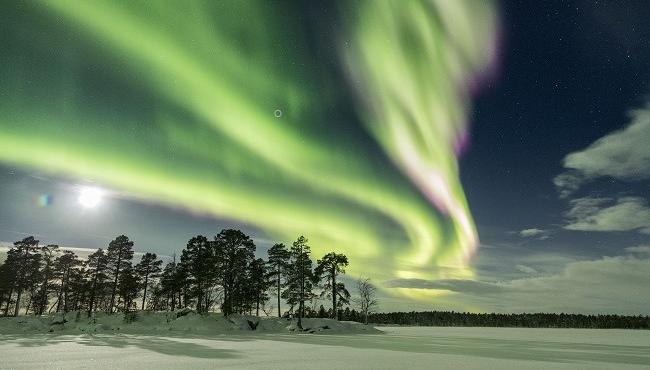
{"points": [[607, 214], [609, 285], [640, 249], [534, 233], [622, 154]]}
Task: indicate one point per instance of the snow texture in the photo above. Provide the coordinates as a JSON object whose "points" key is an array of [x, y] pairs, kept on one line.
{"points": [[396, 348], [183, 321]]}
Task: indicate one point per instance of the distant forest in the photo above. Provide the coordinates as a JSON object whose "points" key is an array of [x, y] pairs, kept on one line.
{"points": [[521, 320]]}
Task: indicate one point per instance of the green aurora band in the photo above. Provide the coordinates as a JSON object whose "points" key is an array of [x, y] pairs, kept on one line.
{"points": [[173, 102]]}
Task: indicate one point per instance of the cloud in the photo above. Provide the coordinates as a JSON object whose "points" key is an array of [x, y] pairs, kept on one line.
{"points": [[611, 284], [535, 233], [607, 285], [607, 214], [622, 154], [567, 183], [526, 269], [640, 249], [82, 253], [456, 285]]}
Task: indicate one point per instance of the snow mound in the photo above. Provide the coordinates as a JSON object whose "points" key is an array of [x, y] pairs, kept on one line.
{"points": [[183, 321]]}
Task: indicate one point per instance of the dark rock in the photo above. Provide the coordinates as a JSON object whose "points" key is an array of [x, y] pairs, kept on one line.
{"points": [[184, 312], [60, 322]]}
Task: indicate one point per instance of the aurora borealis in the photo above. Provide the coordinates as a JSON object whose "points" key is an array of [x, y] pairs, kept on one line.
{"points": [[177, 104], [469, 155]]}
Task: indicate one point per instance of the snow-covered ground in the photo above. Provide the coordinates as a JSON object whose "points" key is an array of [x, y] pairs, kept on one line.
{"points": [[181, 322], [397, 348]]}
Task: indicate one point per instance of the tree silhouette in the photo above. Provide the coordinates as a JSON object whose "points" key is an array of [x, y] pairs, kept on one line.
{"points": [[278, 263], [25, 256], [367, 299], [65, 267], [48, 254], [234, 252], [120, 254], [300, 277], [128, 287], [148, 268], [259, 283], [198, 259], [330, 266], [97, 266], [170, 284]]}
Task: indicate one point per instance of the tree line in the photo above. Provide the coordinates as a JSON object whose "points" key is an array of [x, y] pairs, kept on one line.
{"points": [[519, 320], [220, 273]]}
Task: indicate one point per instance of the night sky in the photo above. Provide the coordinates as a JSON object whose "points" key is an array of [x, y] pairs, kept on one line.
{"points": [[476, 158]]}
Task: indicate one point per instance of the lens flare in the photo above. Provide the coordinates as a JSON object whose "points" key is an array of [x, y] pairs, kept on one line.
{"points": [[45, 200]]}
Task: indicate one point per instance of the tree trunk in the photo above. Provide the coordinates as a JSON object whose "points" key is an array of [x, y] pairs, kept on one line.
{"points": [[30, 303], [334, 308], [279, 311], [11, 292], [144, 295], [64, 290], [43, 302], [301, 307], [300, 316], [59, 298], [92, 294], [117, 275], [17, 306]]}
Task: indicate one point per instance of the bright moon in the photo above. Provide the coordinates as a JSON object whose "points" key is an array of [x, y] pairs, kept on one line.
{"points": [[90, 197]]}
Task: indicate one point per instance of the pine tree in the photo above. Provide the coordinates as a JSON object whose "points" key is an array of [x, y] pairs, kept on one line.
{"points": [[96, 270], [258, 283], [234, 252], [198, 258], [120, 254], [300, 277], [65, 267], [169, 284], [26, 260], [128, 287], [148, 268], [8, 274], [278, 263], [49, 254], [77, 287], [331, 265]]}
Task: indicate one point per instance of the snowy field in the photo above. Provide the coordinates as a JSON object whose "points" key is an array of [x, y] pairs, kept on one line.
{"points": [[398, 348]]}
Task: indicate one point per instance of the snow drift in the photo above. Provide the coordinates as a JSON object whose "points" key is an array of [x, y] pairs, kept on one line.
{"points": [[184, 321]]}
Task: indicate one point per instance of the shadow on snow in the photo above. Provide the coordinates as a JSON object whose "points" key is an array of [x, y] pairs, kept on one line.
{"points": [[510, 349]]}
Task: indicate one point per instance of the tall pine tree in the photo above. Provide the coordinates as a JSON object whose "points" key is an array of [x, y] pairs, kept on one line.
{"points": [[65, 267], [300, 277], [148, 268], [120, 254], [234, 252], [26, 259], [278, 263], [330, 266], [199, 262], [96, 271]]}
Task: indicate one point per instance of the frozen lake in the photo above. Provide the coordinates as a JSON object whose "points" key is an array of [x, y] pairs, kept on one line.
{"points": [[399, 348]]}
